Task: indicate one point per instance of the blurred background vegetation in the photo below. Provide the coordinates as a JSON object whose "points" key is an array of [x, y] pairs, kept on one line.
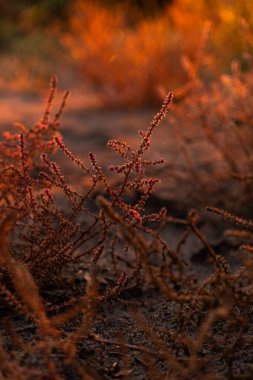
{"points": [[132, 52]]}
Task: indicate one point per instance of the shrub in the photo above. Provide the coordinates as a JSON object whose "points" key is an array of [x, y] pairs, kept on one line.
{"points": [[48, 237], [184, 324], [107, 41], [213, 144]]}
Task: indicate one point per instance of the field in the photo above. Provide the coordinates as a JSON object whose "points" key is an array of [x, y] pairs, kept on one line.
{"points": [[126, 220]]}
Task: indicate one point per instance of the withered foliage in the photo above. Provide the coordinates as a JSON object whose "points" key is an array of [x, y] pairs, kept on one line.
{"points": [[90, 286]]}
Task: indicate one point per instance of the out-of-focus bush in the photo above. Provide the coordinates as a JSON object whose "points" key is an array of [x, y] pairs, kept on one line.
{"points": [[132, 54], [128, 55], [232, 27]]}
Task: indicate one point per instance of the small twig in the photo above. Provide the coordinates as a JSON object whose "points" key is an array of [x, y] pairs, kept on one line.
{"points": [[99, 339]]}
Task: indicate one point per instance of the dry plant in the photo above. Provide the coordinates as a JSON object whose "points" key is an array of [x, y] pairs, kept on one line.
{"points": [[49, 231], [156, 50], [214, 142], [105, 43]]}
